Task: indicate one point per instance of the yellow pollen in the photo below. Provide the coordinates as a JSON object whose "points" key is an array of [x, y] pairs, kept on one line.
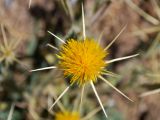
{"points": [[67, 116], [83, 60]]}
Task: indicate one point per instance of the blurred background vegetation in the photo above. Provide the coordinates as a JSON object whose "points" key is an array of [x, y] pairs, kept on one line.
{"points": [[30, 94]]}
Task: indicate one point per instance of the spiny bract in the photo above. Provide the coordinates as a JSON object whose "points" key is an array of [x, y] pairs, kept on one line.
{"points": [[82, 60]]}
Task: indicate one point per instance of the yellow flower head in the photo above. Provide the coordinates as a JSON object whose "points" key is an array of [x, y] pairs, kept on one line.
{"points": [[67, 116], [7, 49], [7, 54], [82, 60]]}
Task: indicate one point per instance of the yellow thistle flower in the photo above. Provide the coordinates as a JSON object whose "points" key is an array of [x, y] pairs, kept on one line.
{"points": [[7, 50], [84, 61], [67, 116]]}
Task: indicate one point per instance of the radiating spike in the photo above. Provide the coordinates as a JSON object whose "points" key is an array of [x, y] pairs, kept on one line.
{"points": [[121, 58], [29, 5], [53, 47], [92, 113], [56, 37], [94, 89], [81, 98], [110, 44], [76, 102], [100, 37], [22, 64], [141, 12], [50, 102], [83, 23], [61, 95], [156, 7], [11, 112], [106, 81], [108, 73], [4, 36], [45, 68], [150, 92], [16, 43]]}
